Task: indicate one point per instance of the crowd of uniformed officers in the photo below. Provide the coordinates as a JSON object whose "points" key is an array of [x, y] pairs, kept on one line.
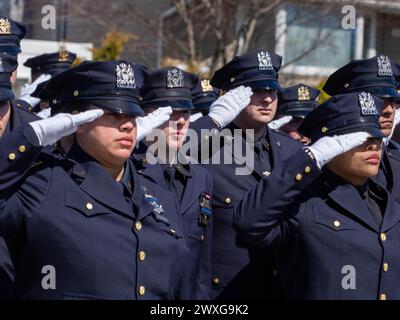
{"points": [[84, 214]]}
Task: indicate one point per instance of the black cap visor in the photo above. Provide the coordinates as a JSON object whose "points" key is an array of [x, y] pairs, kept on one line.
{"points": [[128, 108], [267, 84], [384, 92], [177, 105], [6, 94], [10, 49]]}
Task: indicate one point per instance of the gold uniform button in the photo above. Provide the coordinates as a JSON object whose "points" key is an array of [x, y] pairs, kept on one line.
{"points": [[142, 255], [142, 290], [21, 148], [215, 280], [324, 129], [307, 169], [54, 101], [385, 267], [382, 296], [232, 79], [138, 226], [228, 200], [383, 237], [202, 237], [11, 156], [336, 223], [266, 173], [298, 177], [76, 93], [89, 206]]}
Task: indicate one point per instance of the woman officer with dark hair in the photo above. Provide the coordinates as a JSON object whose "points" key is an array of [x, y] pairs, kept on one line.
{"points": [[336, 231], [89, 225]]}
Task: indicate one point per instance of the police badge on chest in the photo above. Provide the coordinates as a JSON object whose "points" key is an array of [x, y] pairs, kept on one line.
{"points": [[205, 208]]}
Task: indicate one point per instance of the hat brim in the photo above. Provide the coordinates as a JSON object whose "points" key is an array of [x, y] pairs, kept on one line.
{"points": [[10, 49], [119, 106], [384, 92], [204, 106], [263, 84], [373, 130], [6, 94], [174, 104], [297, 109], [295, 113]]}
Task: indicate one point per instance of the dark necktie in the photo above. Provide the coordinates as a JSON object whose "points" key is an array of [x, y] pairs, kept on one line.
{"points": [[375, 204], [262, 163], [174, 181]]}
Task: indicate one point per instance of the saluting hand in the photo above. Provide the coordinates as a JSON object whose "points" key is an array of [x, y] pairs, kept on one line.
{"points": [[27, 90], [52, 129], [327, 148], [151, 121], [226, 108], [279, 123]]}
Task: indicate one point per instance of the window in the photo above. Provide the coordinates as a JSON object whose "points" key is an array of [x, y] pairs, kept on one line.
{"points": [[314, 37]]}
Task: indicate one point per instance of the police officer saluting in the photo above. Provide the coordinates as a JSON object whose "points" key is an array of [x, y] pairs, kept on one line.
{"points": [[101, 229], [11, 34], [190, 183], [43, 67], [335, 231], [374, 75], [203, 95], [241, 271], [294, 103]]}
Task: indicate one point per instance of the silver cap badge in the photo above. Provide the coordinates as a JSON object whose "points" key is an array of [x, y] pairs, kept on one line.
{"points": [[367, 104], [175, 78], [125, 76], [264, 61], [384, 66]]}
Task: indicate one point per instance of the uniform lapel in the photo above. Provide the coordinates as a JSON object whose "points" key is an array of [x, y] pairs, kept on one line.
{"points": [[97, 182], [392, 213], [347, 197], [275, 146]]}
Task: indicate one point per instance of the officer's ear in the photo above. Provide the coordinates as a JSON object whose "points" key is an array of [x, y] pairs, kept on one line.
{"points": [[13, 77]]}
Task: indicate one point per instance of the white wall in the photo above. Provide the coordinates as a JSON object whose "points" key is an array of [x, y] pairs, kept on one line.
{"points": [[31, 48]]}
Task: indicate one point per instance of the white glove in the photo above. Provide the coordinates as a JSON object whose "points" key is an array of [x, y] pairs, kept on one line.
{"points": [[45, 113], [52, 129], [195, 116], [327, 148], [151, 121], [226, 108], [278, 123], [396, 121], [28, 89]]}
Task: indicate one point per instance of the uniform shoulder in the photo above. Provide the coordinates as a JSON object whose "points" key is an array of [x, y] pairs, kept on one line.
{"points": [[282, 136], [24, 112]]}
